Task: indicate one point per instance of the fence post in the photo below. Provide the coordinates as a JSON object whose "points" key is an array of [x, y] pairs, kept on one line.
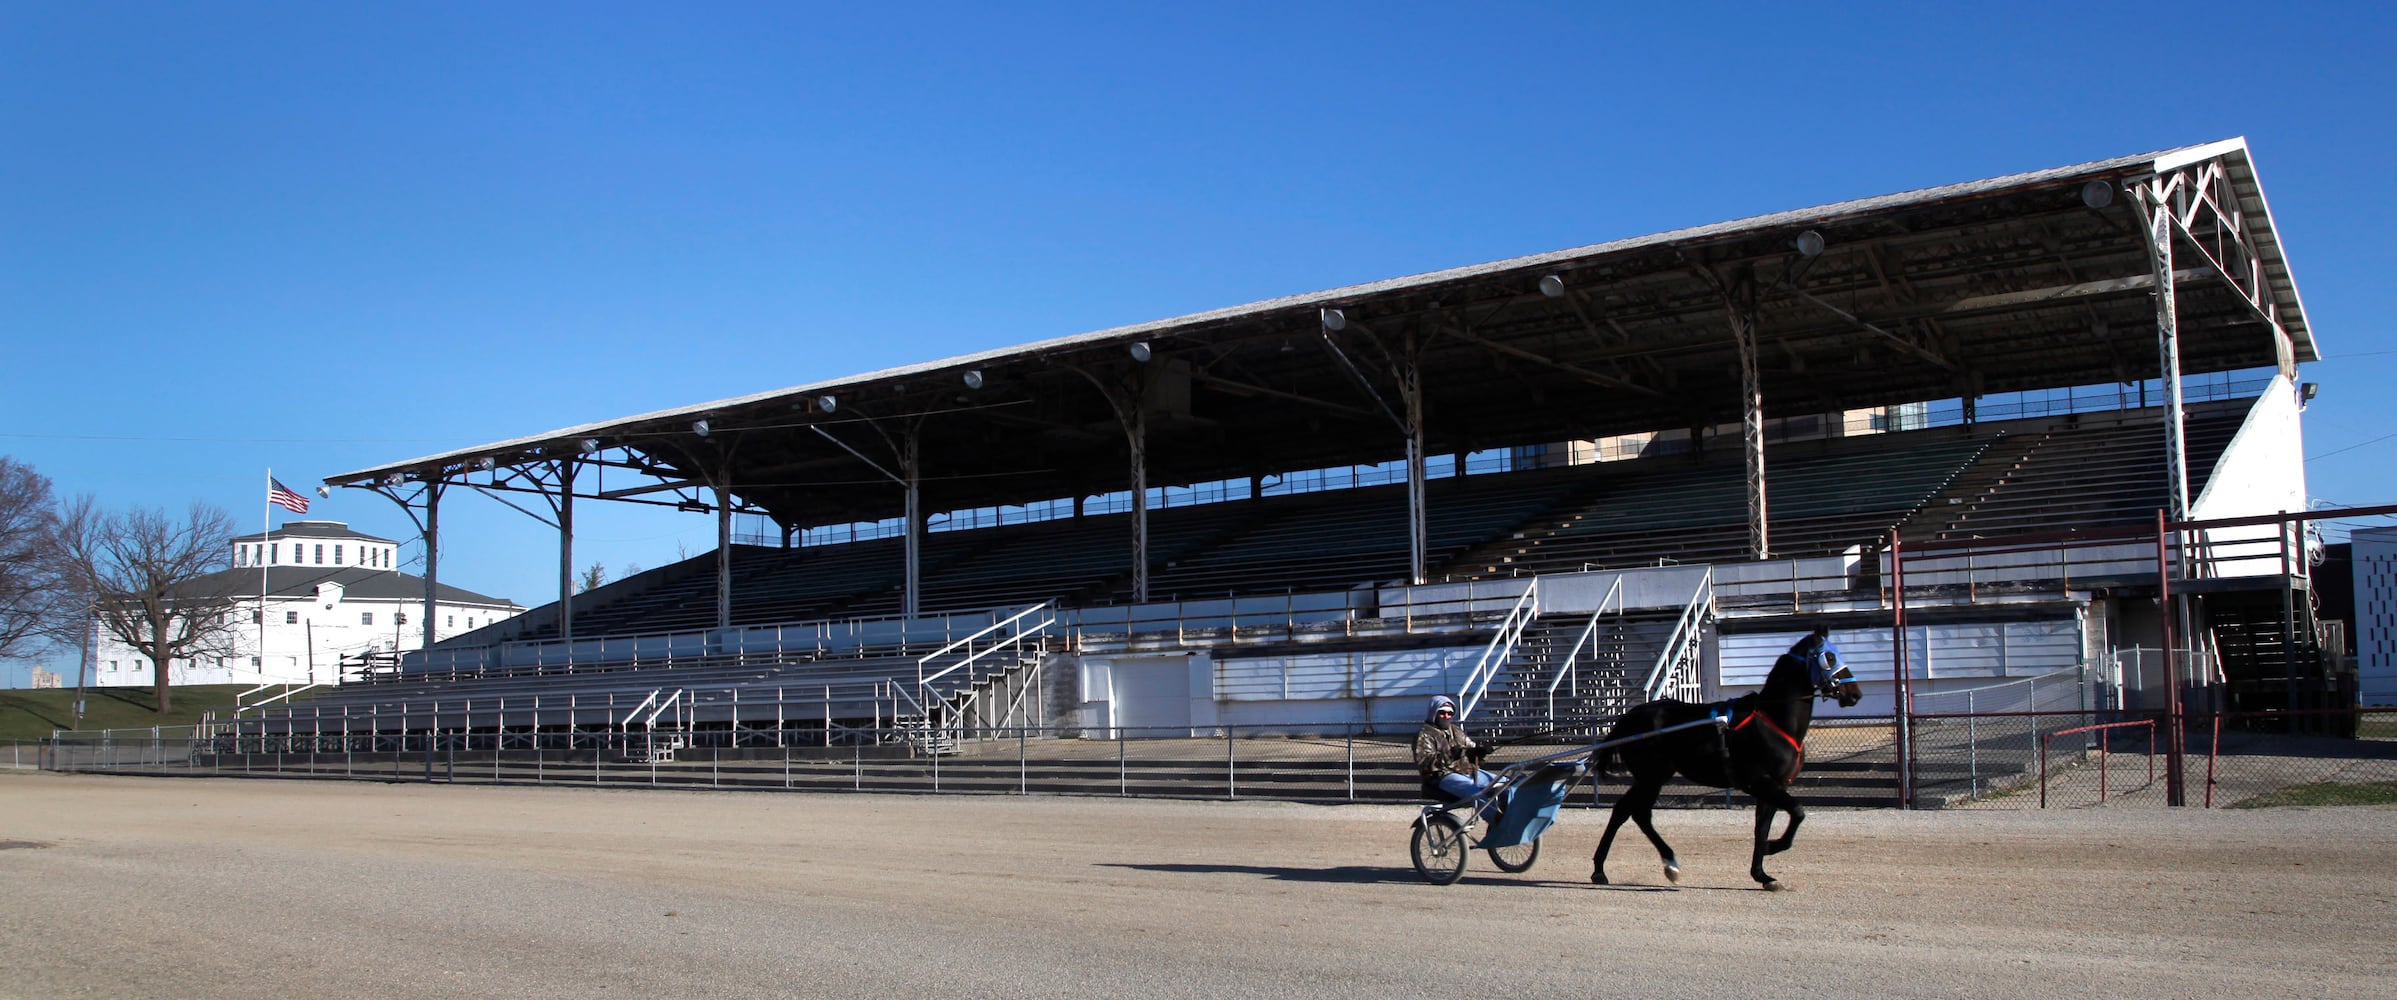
{"points": [[1231, 772]]}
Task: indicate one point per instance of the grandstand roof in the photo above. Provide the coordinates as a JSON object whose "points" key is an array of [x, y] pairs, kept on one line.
{"points": [[2029, 281]]}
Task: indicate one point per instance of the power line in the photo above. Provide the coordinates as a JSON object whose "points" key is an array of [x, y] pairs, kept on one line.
{"points": [[2352, 447]]}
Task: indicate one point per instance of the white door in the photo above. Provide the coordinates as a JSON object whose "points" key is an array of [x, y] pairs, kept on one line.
{"points": [[1151, 696]]}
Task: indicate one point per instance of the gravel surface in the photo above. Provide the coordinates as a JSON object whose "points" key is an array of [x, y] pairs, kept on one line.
{"points": [[133, 887]]}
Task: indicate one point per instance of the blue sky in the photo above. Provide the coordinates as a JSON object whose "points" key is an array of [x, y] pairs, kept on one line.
{"points": [[321, 237]]}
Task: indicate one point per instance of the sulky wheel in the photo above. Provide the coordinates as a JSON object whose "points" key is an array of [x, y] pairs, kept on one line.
{"points": [[1439, 849], [1517, 858]]}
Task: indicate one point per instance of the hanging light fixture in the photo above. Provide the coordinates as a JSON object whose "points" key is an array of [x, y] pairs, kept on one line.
{"points": [[1810, 244], [1140, 351], [1334, 320], [828, 403], [588, 445], [700, 427], [1552, 286], [973, 378]]}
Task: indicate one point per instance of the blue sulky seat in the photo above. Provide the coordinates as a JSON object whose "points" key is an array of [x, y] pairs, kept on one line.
{"points": [[1527, 807]]}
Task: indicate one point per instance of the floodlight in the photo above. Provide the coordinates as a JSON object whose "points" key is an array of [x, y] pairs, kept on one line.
{"points": [[1552, 286], [1334, 320], [1810, 244], [324, 491], [2307, 390], [486, 463], [589, 445], [828, 403], [1140, 351], [973, 378], [2097, 194], [700, 427], [394, 479]]}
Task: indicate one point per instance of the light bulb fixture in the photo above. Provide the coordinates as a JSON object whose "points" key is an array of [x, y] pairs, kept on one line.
{"points": [[324, 491], [588, 445], [486, 463], [2097, 194], [700, 427], [828, 403], [1140, 351], [973, 378], [1552, 286], [1334, 320], [1809, 244], [394, 479]]}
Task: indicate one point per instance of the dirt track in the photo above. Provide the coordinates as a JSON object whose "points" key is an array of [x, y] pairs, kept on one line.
{"points": [[126, 887]]}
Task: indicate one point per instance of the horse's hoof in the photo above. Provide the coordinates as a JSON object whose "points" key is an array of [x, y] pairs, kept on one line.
{"points": [[1773, 885], [1598, 878], [1673, 874]]}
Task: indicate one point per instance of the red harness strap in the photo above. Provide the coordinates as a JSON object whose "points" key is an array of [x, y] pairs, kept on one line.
{"points": [[1795, 763]]}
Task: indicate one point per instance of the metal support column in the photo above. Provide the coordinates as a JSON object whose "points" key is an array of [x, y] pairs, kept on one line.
{"points": [[1410, 391], [723, 555], [566, 470], [1137, 428], [432, 557], [1741, 307], [911, 472], [2154, 202]]}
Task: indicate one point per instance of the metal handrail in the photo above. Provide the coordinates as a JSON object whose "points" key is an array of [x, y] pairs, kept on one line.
{"points": [[1493, 657], [261, 704], [1685, 634], [1589, 632], [922, 680]]}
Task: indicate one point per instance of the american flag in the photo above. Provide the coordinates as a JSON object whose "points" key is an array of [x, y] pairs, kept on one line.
{"points": [[282, 496]]}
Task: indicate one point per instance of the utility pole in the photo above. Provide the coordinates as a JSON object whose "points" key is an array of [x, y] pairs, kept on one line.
{"points": [[84, 663]]}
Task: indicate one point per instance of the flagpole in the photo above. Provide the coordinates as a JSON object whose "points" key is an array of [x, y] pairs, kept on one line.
{"points": [[266, 518]]}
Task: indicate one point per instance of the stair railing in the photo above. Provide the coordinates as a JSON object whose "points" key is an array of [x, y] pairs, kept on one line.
{"points": [[1013, 631], [1502, 645], [240, 706], [1676, 672], [1589, 634]]}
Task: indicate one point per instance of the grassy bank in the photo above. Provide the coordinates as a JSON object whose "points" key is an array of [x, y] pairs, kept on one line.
{"points": [[32, 714]]}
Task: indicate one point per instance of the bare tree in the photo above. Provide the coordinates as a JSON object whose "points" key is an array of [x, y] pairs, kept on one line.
{"points": [[33, 604], [591, 578], [155, 583]]}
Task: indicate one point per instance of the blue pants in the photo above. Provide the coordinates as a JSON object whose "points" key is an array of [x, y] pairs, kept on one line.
{"points": [[1465, 786]]}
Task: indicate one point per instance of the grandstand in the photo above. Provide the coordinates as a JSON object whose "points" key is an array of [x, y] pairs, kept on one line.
{"points": [[1457, 561]]}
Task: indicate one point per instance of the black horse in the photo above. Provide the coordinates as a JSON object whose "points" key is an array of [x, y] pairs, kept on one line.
{"points": [[1758, 750]]}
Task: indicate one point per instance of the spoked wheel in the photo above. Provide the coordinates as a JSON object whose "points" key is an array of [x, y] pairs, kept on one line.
{"points": [[1439, 849], [1517, 858]]}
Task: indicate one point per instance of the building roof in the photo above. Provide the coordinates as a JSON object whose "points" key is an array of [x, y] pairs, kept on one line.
{"points": [[312, 529], [2029, 281], [357, 583]]}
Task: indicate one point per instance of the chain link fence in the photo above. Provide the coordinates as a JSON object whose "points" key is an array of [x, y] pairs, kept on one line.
{"points": [[1989, 760]]}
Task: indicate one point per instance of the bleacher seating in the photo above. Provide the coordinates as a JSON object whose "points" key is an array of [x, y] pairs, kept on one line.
{"points": [[2091, 473], [1825, 497]]}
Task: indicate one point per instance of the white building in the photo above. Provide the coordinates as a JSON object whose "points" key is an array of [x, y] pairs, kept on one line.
{"points": [[2376, 615], [330, 597]]}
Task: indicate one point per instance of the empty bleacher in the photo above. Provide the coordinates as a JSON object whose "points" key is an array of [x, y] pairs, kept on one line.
{"points": [[1825, 497], [2096, 471]]}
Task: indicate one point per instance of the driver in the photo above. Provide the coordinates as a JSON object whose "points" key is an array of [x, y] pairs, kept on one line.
{"points": [[1445, 756]]}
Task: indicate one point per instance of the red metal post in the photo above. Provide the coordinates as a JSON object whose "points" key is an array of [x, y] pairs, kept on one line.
{"points": [[1904, 719], [2172, 674]]}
